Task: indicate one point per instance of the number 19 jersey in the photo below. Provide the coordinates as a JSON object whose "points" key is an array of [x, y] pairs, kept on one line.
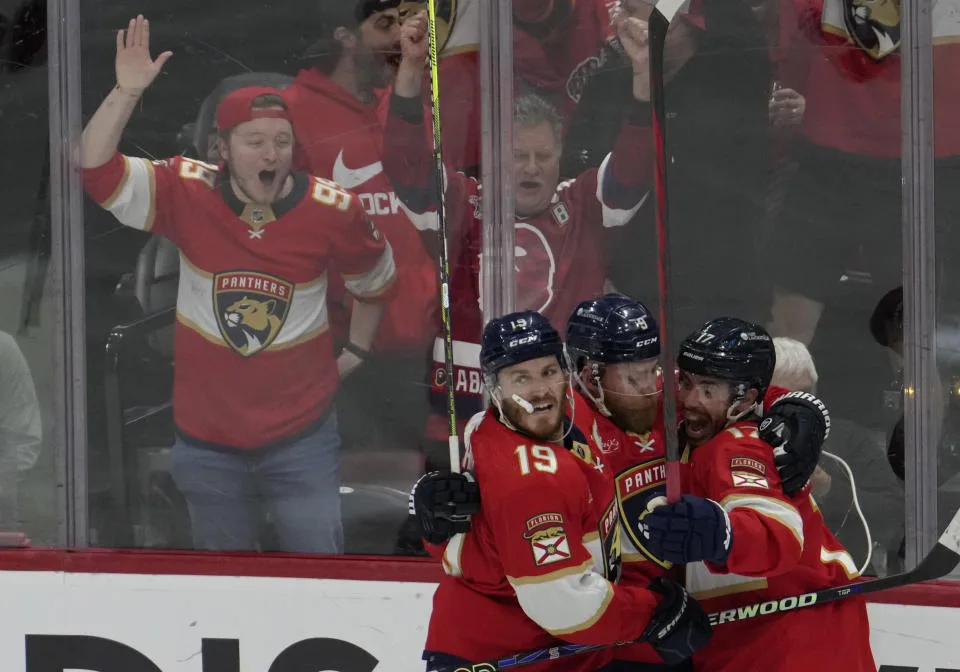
{"points": [[540, 564]]}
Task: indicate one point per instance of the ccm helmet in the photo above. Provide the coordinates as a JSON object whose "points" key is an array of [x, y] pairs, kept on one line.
{"points": [[610, 329], [730, 349], [516, 338]]}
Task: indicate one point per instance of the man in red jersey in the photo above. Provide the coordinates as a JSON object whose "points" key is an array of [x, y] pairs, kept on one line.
{"points": [[562, 230], [255, 370], [542, 561], [844, 206], [335, 105], [614, 346], [742, 539]]}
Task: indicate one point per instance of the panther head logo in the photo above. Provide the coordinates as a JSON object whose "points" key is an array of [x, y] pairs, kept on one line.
{"points": [[874, 25], [251, 309], [256, 320]]}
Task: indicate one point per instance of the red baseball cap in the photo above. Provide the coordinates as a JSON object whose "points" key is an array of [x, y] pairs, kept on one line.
{"points": [[237, 107]]}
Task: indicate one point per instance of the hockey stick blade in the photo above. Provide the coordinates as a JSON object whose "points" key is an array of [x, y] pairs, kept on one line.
{"points": [[940, 561]]}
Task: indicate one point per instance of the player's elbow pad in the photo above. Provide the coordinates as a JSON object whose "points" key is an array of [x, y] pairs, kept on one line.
{"points": [[564, 603]]}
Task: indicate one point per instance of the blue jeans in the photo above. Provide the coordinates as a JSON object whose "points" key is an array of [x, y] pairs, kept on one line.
{"points": [[298, 484]]}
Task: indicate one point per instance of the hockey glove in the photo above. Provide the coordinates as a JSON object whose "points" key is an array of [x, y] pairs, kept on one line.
{"points": [[679, 625], [442, 502], [796, 426], [691, 530]]}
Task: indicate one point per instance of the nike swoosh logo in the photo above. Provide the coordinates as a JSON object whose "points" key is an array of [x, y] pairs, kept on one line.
{"points": [[351, 178]]}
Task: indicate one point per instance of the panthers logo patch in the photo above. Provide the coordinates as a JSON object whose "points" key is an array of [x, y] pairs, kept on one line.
{"points": [[251, 309], [636, 486], [874, 25]]}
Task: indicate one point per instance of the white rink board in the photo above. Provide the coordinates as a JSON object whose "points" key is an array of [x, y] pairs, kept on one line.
{"points": [[925, 639], [166, 618]]}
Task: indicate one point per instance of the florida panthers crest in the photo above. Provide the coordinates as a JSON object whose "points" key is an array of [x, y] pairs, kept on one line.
{"points": [[251, 309], [636, 486], [874, 25]]}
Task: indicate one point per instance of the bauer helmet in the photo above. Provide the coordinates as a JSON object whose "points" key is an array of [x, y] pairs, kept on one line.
{"points": [[730, 349]]}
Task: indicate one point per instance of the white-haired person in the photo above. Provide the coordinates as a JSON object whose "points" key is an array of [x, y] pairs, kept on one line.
{"points": [[879, 492]]}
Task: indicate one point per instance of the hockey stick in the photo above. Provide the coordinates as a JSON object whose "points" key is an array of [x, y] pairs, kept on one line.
{"points": [[939, 562], [454, 438], [659, 23]]}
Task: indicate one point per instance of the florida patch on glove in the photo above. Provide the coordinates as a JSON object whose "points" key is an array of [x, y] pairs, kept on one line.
{"points": [[692, 530], [796, 426], [443, 502]]}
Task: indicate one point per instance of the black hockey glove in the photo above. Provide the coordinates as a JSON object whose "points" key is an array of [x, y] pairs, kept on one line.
{"points": [[693, 529], [679, 625], [796, 426], [442, 502]]}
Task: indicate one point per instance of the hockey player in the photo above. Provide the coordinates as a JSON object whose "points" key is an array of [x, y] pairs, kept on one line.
{"points": [[542, 560], [744, 540], [614, 347], [614, 344], [255, 373]]}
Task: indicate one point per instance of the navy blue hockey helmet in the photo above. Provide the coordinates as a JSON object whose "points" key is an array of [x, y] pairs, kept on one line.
{"points": [[730, 349], [516, 338], [612, 328]]}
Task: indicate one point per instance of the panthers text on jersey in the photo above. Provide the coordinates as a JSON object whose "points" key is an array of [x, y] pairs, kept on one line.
{"points": [[639, 469], [253, 352], [542, 559], [781, 548]]}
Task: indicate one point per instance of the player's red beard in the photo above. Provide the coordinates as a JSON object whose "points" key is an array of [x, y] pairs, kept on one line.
{"points": [[545, 423], [632, 413]]}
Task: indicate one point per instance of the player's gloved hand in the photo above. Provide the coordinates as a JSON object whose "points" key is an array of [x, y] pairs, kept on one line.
{"points": [[796, 426], [442, 502], [679, 625], [691, 530]]}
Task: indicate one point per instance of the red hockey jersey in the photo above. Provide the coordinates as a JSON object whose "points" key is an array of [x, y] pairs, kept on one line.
{"points": [[542, 558], [254, 358], [341, 139], [780, 548], [853, 89], [561, 255], [637, 466]]}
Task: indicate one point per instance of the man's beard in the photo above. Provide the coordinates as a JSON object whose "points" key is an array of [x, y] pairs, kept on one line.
{"points": [[372, 70], [520, 419], [637, 418]]}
